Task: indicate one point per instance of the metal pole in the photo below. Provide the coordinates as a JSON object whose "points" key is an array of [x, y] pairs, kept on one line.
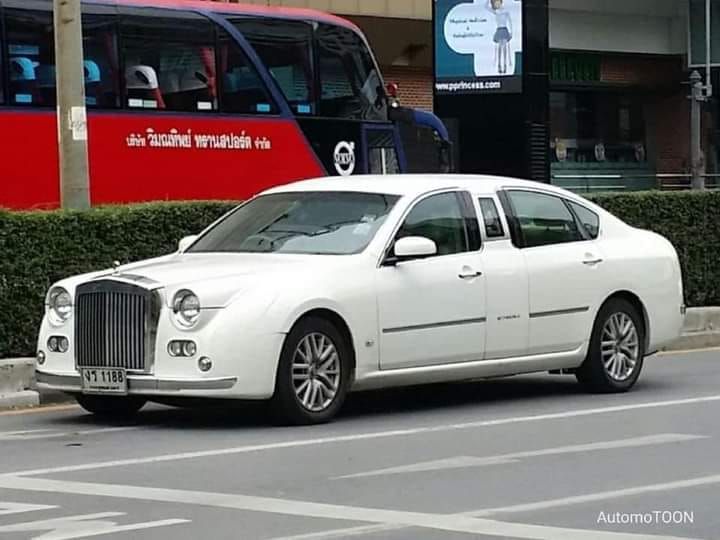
{"points": [[708, 48], [71, 112], [696, 98]]}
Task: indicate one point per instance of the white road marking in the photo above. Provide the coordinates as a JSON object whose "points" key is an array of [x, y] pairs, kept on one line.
{"points": [[7, 508], [472, 461], [524, 508], [367, 436], [452, 522], [34, 434], [83, 526]]}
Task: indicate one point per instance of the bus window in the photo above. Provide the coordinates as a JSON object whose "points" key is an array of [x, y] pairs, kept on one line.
{"points": [[101, 69], [285, 49], [2, 65], [169, 59], [349, 81], [242, 90], [31, 55]]}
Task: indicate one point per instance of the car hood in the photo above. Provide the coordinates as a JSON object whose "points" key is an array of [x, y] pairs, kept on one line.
{"points": [[217, 278]]}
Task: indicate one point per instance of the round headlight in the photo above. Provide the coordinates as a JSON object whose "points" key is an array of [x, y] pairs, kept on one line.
{"points": [[186, 306], [59, 305]]}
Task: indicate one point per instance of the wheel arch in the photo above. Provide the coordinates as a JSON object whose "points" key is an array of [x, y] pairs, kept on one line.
{"points": [[638, 304], [337, 320]]}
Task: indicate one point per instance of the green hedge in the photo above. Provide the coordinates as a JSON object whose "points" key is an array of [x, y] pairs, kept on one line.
{"points": [[691, 221], [38, 248]]}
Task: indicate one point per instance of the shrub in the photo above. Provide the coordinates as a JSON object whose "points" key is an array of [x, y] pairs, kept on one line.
{"points": [[691, 221], [39, 248]]}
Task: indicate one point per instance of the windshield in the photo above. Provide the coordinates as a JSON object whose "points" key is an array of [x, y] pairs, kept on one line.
{"points": [[324, 223]]}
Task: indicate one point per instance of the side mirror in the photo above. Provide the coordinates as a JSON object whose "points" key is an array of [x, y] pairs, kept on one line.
{"points": [[414, 247], [186, 242]]}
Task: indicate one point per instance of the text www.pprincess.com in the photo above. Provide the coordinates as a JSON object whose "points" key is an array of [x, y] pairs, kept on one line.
{"points": [[464, 86]]}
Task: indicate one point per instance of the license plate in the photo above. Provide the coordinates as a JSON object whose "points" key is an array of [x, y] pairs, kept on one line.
{"points": [[104, 381]]}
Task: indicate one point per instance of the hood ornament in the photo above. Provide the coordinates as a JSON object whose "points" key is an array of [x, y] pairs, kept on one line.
{"points": [[116, 268]]}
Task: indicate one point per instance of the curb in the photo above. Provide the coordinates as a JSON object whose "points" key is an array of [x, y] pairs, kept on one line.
{"points": [[701, 330], [17, 383]]}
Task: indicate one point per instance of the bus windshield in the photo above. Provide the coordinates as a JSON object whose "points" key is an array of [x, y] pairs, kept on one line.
{"points": [[347, 85]]}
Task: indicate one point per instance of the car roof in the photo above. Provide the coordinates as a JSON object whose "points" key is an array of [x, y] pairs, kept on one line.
{"points": [[414, 185]]}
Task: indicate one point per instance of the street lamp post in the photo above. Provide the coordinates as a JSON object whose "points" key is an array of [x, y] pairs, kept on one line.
{"points": [[71, 112]]}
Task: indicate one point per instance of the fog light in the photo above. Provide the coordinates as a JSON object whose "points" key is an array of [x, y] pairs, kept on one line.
{"points": [[182, 348], [40, 358], [59, 344], [175, 348], [205, 364], [189, 348]]}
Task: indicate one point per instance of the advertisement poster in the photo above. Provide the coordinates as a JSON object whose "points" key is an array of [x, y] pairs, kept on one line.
{"points": [[478, 46]]}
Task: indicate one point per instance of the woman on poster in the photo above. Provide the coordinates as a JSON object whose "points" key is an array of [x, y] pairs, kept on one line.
{"points": [[502, 36]]}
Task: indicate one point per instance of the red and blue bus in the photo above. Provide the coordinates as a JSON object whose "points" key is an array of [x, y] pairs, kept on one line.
{"points": [[200, 100]]}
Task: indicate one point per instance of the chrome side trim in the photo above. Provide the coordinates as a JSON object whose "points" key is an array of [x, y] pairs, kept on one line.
{"points": [[557, 312], [71, 383], [398, 329]]}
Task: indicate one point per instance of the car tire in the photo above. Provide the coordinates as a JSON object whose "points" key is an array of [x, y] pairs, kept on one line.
{"points": [[111, 407], [617, 349], [313, 375]]}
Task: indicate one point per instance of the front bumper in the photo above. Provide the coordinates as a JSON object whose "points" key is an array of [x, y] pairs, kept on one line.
{"points": [[139, 384]]}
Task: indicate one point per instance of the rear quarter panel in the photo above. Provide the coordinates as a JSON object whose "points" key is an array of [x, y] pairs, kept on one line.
{"points": [[646, 264]]}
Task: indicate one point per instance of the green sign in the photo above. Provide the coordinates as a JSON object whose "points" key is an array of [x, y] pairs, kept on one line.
{"points": [[574, 67], [697, 32]]}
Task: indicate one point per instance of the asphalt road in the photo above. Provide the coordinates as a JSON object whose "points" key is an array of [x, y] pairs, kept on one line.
{"points": [[526, 457]]}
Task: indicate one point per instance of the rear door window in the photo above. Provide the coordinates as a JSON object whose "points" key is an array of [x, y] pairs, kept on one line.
{"points": [[543, 219]]}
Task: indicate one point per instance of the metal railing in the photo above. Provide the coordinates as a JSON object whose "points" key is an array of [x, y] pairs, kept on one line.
{"points": [[624, 182]]}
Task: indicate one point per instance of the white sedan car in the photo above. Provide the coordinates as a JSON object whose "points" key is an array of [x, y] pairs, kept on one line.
{"points": [[314, 289]]}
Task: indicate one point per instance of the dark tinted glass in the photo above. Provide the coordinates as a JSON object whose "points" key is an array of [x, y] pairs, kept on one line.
{"points": [[325, 223], [350, 86], [102, 64], [242, 89], [285, 49], [439, 218], [169, 61], [491, 217], [544, 219], [589, 219], [31, 55]]}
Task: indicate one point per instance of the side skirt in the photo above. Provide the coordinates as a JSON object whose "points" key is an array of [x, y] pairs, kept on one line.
{"points": [[470, 370]]}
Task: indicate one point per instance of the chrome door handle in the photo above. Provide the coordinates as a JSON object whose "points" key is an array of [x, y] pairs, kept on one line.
{"points": [[592, 262], [470, 275]]}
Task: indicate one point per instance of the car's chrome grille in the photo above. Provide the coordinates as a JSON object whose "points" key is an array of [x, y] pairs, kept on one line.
{"points": [[115, 325]]}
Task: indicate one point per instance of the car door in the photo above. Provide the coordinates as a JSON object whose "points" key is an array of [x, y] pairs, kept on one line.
{"points": [[506, 285], [432, 310], [564, 265]]}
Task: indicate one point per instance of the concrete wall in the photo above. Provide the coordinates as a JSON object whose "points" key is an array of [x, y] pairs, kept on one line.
{"points": [[636, 26], [410, 9]]}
